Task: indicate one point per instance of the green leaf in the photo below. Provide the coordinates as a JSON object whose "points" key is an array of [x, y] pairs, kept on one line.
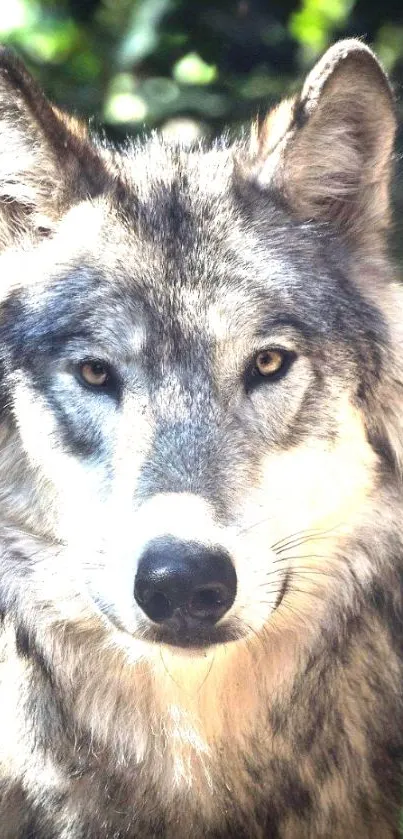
{"points": [[191, 69]]}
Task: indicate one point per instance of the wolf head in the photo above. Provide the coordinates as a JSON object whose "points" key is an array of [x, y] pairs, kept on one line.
{"points": [[197, 357]]}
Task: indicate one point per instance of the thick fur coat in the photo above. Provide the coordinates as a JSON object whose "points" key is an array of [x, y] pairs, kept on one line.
{"points": [[146, 294]]}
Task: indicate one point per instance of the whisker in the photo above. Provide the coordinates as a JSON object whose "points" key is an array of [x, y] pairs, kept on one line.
{"points": [[297, 590], [298, 533], [252, 630], [249, 527], [300, 556], [295, 543], [207, 674], [285, 606], [299, 571], [168, 672]]}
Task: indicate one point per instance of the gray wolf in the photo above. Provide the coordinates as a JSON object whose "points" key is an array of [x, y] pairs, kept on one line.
{"points": [[201, 473]]}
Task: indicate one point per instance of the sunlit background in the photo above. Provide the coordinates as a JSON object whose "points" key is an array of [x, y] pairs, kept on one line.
{"points": [[189, 67]]}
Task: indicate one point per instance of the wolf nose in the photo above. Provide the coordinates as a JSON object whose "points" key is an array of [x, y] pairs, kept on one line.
{"points": [[185, 579]]}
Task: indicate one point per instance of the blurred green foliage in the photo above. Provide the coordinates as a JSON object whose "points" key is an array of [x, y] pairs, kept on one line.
{"points": [[186, 65]]}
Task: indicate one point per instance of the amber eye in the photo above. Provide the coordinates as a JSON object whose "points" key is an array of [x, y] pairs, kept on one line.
{"points": [[269, 362], [94, 373]]}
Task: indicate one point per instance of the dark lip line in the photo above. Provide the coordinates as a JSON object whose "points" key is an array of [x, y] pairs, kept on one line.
{"points": [[225, 635]]}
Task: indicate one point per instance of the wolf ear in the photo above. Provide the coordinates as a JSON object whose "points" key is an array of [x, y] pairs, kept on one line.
{"points": [[47, 160], [328, 152]]}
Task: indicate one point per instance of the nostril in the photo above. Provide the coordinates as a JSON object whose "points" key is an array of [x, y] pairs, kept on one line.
{"points": [[158, 607], [208, 602]]}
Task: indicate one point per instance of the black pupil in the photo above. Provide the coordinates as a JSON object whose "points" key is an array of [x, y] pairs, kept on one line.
{"points": [[97, 368], [267, 359]]}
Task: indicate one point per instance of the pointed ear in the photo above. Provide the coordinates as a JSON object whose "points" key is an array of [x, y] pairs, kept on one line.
{"points": [[329, 151], [47, 160]]}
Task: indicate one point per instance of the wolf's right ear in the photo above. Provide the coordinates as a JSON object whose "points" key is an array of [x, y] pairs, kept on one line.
{"points": [[328, 152], [47, 161]]}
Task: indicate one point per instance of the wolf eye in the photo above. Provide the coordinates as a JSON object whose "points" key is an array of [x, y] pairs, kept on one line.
{"points": [[94, 373], [269, 362]]}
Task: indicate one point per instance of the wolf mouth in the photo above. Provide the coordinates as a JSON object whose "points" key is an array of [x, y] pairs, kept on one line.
{"points": [[193, 638], [183, 634]]}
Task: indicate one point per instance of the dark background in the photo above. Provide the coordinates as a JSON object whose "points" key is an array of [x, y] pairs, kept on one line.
{"points": [[191, 67]]}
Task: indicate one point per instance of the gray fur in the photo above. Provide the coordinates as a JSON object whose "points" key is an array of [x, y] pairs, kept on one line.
{"points": [[176, 267]]}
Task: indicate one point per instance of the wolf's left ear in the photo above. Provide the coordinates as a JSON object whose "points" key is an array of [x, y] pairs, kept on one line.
{"points": [[47, 160], [328, 152]]}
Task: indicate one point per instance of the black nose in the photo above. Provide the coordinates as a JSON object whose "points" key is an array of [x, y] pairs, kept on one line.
{"points": [[184, 580]]}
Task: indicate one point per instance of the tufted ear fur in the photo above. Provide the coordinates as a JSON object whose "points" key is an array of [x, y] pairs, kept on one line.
{"points": [[329, 150], [47, 160]]}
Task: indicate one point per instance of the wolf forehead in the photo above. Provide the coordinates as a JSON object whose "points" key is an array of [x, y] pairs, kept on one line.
{"points": [[184, 245]]}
